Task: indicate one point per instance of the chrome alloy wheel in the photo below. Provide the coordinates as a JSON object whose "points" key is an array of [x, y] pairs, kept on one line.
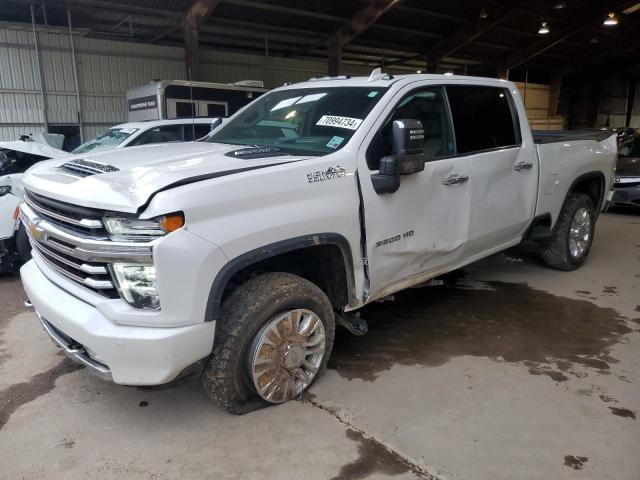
{"points": [[286, 355], [579, 233]]}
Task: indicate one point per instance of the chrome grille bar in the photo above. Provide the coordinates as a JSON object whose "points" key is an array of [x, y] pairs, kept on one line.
{"points": [[86, 223]]}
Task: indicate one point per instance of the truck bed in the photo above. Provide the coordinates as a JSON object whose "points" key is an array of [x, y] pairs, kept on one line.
{"points": [[557, 136]]}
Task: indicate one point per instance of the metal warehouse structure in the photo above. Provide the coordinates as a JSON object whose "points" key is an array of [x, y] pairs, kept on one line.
{"points": [[78, 57]]}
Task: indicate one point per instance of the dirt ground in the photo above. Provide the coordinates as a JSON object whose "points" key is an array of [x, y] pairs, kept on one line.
{"points": [[507, 370]]}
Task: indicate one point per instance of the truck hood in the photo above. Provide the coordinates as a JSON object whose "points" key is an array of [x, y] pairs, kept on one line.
{"points": [[130, 176]]}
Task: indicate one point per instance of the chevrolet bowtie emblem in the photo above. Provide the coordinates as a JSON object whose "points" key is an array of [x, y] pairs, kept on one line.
{"points": [[37, 233]]}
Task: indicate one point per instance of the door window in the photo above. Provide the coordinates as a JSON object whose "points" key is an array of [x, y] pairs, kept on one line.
{"points": [[483, 118], [167, 133], [428, 106], [199, 129]]}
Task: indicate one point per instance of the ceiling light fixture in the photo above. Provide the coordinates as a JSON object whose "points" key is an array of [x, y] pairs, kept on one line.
{"points": [[593, 40], [559, 5], [544, 28], [483, 14], [448, 73], [611, 20], [418, 71]]}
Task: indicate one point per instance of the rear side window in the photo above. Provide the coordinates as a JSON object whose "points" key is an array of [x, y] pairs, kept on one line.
{"points": [[483, 118], [165, 134], [199, 129]]}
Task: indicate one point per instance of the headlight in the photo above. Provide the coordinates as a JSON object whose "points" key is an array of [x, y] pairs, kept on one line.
{"points": [[4, 190], [142, 229], [137, 284]]}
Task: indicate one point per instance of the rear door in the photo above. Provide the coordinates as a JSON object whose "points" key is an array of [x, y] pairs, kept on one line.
{"points": [[505, 173], [423, 226]]}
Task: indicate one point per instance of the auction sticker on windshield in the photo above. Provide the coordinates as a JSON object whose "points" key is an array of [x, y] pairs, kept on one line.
{"points": [[339, 122]]}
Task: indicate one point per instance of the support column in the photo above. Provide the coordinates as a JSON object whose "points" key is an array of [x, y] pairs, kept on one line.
{"points": [[633, 84], [503, 73], [191, 51], [40, 74], [554, 95], [335, 58]]}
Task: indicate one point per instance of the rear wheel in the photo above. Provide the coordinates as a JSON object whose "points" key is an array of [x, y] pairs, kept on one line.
{"points": [[573, 235], [273, 339]]}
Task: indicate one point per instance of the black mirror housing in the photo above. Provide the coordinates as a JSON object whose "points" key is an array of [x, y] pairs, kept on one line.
{"points": [[407, 137], [407, 156]]}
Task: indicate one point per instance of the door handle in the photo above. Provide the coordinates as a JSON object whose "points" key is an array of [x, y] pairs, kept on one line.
{"points": [[523, 166], [455, 180]]}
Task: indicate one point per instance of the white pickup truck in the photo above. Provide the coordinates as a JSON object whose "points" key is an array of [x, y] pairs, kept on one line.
{"points": [[243, 251]]}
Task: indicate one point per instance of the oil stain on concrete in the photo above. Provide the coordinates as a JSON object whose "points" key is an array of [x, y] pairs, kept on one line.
{"points": [[15, 396], [504, 322], [373, 457], [575, 462], [623, 412]]}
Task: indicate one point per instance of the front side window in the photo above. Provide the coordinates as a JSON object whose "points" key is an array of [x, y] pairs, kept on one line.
{"points": [[428, 106], [483, 118], [313, 121], [106, 141], [165, 134]]}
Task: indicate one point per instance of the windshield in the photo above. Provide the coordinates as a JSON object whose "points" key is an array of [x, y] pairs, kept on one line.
{"points": [[109, 139], [313, 121]]}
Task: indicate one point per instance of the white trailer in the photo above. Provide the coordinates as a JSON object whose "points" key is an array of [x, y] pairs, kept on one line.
{"points": [[169, 99]]}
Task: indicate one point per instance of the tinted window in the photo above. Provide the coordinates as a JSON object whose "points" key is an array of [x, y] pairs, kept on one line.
{"points": [[199, 129], [12, 161], [168, 133], [428, 106], [216, 110], [185, 110], [482, 118]]}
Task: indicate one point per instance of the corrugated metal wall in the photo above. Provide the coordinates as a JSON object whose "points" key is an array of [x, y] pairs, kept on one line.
{"points": [[106, 70], [612, 110]]}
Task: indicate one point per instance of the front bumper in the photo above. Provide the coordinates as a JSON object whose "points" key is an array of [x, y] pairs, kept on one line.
{"points": [[129, 355]]}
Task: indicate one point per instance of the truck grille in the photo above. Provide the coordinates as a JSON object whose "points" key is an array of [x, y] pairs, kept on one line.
{"points": [[62, 256]]}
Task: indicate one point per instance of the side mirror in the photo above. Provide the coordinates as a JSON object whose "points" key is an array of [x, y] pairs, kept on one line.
{"points": [[407, 156], [216, 122]]}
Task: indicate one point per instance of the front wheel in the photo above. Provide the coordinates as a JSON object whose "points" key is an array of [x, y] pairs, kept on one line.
{"points": [[273, 339], [573, 235]]}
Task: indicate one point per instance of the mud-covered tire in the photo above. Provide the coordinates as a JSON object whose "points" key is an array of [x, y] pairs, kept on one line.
{"points": [[556, 252], [226, 377], [23, 247]]}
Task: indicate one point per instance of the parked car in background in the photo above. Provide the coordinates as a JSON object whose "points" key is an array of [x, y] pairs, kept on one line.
{"points": [[15, 158], [627, 180], [147, 132]]}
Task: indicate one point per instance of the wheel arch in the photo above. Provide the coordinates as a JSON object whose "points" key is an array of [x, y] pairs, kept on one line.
{"points": [[327, 251], [592, 184]]}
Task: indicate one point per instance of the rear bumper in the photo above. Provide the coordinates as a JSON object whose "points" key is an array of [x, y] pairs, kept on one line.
{"points": [[128, 355]]}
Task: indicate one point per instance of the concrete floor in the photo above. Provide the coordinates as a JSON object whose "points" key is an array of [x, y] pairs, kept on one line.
{"points": [[508, 371]]}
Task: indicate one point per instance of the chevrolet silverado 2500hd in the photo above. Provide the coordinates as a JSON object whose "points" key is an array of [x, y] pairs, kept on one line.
{"points": [[317, 198]]}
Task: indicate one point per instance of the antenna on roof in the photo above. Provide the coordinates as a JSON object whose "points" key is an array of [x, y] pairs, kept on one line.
{"points": [[377, 74]]}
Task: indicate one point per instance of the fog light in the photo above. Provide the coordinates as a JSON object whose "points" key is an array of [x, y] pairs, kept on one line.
{"points": [[137, 284]]}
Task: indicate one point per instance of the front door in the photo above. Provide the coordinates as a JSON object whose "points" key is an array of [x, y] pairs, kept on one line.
{"points": [[422, 227]]}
